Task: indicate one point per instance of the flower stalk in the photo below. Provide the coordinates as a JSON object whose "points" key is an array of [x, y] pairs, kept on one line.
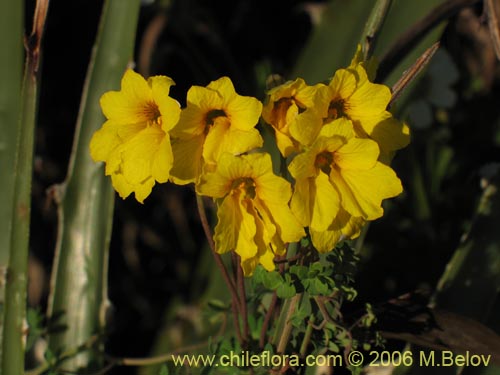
{"points": [[86, 198], [15, 332], [11, 70]]}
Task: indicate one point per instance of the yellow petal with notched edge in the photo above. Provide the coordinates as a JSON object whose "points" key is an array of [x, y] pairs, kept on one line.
{"points": [[123, 188], [369, 99], [267, 261], [391, 134], [372, 186], [290, 229], [224, 86], [169, 108], [244, 112], [188, 161], [325, 241], [343, 84], [103, 142], [128, 104], [261, 163], [344, 226], [143, 189], [357, 154], [326, 203], [194, 118]]}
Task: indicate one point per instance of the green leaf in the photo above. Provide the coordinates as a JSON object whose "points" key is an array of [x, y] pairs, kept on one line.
{"points": [[316, 287], [300, 271], [403, 15], [272, 280], [164, 370], [333, 41], [35, 327], [286, 290]]}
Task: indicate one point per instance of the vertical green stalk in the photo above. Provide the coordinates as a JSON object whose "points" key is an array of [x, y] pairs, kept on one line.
{"points": [[11, 55], [17, 279], [373, 26], [78, 294]]}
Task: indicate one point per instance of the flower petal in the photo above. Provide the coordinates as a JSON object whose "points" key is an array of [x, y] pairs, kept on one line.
{"points": [[228, 226], [223, 138], [369, 99], [302, 165], [357, 154], [303, 200], [246, 247], [370, 187], [244, 112], [187, 159], [326, 203], [169, 108], [391, 134], [128, 104], [162, 161], [305, 127], [138, 154]]}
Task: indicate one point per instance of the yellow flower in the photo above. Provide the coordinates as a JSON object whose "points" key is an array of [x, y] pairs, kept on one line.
{"points": [[354, 97], [215, 120], [293, 110], [254, 218], [340, 184], [134, 141]]}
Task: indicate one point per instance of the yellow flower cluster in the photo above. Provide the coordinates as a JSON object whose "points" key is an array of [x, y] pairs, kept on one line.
{"points": [[338, 137], [341, 137]]}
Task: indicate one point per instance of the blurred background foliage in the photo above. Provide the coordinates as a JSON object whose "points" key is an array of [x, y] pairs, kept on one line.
{"points": [[159, 261]]}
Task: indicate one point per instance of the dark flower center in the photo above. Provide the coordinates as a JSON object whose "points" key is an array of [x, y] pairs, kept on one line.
{"points": [[153, 113], [336, 109], [324, 161], [246, 184], [212, 115]]}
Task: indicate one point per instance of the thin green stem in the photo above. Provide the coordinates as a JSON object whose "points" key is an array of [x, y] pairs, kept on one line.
{"points": [[307, 336], [243, 303], [235, 300], [373, 26], [17, 278], [267, 320], [70, 353], [287, 326]]}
